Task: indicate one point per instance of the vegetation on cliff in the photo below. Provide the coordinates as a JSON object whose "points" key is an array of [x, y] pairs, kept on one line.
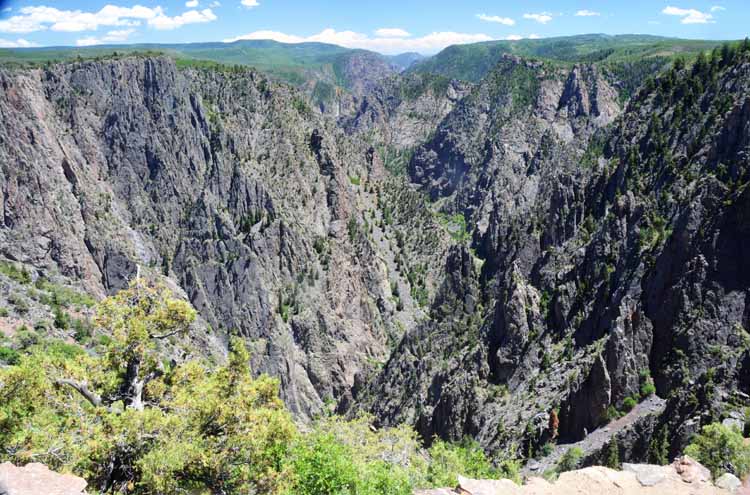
{"points": [[125, 417]]}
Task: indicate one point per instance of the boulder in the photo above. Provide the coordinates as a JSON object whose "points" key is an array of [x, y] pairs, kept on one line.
{"points": [[487, 487], [729, 482], [691, 471], [37, 479], [647, 474]]}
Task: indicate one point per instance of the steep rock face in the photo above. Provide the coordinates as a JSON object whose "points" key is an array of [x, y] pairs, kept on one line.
{"points": [[609, 253], [225, 182], [403, 111], [506, 160]]}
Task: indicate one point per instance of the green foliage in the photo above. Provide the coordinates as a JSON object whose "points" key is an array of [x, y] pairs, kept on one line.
{"points": [[455, 225], [10, 270], [189, 427], [612, 459], [447, 461], [620, 54], [57, 295], [721, 449], [647, 384], [9, 356], [196, 428], [570, 460], [323, 466], [658, 449], [629, 403]]}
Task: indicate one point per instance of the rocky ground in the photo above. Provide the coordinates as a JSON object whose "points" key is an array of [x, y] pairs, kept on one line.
{"points": [[684, 477]]}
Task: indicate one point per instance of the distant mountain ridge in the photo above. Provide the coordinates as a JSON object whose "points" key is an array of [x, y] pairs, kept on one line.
{"points": [[294, 63], [472, 62]]}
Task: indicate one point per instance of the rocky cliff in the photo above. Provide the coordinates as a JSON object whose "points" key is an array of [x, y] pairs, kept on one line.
{"points": [[225, 182], [517, 261], [605, 256]]}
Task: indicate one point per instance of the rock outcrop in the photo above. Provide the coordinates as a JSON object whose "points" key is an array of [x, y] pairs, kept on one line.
{"points": [[684, 477], [37, 479]]}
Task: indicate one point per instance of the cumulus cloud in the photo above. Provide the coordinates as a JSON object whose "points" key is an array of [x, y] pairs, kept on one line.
{"points": [[542, 18], [214, 4], [250, 3], [191, 4], [392, 33], [19, 43], [507, 21], [31, 19], [689, 16], [587, 13], [717, 8], [165, 22], [430, 43], [116, 36]]}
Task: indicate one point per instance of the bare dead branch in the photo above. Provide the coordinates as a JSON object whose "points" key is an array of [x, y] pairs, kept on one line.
{"points": [[83, 389]]}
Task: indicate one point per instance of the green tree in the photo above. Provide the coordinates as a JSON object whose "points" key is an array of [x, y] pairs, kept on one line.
{"points": [[613, 454], [126, 422], [721, 449]]}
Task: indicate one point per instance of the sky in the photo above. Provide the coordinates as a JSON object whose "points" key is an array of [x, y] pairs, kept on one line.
{"points": [[386, 26]]}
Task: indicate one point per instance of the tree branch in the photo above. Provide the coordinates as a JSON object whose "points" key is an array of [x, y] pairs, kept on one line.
{"points": [[83, 389], [166, 335]]}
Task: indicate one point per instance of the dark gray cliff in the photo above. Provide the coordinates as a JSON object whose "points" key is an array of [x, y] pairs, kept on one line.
{"points": [[227, 183], [606, 253]]}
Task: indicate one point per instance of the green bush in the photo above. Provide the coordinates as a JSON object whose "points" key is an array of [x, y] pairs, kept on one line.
{"points": [[721, 449], [447, 461], [628, 404], [382, 478], [323, 466], [9, 356], [570, 460]]}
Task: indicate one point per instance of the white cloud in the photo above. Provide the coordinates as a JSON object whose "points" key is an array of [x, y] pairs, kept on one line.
{"points": [[214, 4], [19, 43], [507, 21], [392, 33], [587, 13], [689, 16], [31, 19], [117, 36], [164, 22], [514, 37], [191, 4], [717, 8], [250, 3], [542, 18], [430, 43], [534, 37]]}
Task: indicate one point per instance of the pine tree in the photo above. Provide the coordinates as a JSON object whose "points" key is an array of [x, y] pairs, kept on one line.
{"points": [[612, 460]]}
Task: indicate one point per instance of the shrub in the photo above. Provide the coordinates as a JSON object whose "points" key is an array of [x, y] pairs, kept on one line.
{"points": [[323, 466], [9, 356], [447, 461], [648, 389], [628, 404], [721, 449], [570, 460]]}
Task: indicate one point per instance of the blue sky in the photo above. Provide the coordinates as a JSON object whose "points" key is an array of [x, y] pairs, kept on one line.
{"points": [[388, 26]]}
